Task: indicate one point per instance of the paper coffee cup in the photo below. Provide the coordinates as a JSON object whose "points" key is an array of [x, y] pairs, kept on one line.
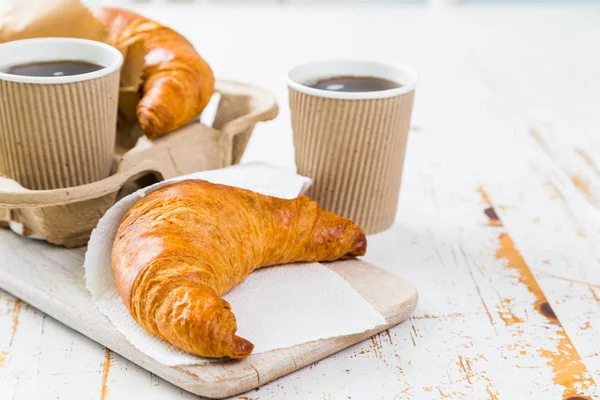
{"points": [[58, 131], [352, 144]]}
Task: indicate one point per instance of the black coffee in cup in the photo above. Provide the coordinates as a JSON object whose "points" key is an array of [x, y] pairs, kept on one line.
{"points": [[354, 84], [54, 68]]}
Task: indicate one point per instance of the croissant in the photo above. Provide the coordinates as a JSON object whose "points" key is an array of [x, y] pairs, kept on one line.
{"points": [[181, 247], [177, 82]]}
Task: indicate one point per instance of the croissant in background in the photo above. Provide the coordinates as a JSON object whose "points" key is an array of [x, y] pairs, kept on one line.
{"points": [[177, 82], [183, 246]]}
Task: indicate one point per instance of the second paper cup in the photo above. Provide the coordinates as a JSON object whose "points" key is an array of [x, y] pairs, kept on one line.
{"points": [[352, 144]]}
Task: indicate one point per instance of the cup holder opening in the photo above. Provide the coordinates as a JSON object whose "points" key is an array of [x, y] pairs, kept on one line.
{"points": [[149, 178], [146, 180]]}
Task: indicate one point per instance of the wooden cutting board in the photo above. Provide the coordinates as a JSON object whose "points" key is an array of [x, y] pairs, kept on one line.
{"points": [[51, 279]]}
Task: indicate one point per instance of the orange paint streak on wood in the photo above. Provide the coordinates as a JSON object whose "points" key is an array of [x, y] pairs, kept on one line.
{"points": [[507, 251], [484, 196], [491, 395], [16, 312], [596, 297], [569, 370], [586, 326], [507, 316], [490, 212], [105, 369], [583, 185]]}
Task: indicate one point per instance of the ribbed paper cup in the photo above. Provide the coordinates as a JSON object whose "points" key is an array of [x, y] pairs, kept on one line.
{"points": [[352, 144], [58, 132]]}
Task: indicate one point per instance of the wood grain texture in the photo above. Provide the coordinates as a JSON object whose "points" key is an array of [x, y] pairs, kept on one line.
{"points": [[489, 75], [51, 279]]}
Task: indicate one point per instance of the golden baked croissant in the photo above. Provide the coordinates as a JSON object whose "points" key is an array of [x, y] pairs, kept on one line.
{"points": [[181, 247], [178, 83]]}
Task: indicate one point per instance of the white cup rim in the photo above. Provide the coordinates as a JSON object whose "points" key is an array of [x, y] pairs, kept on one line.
{"points": [[336, 67], [112, 62]]}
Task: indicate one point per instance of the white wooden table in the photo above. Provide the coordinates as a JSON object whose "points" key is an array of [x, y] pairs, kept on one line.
{"points": [[499, 217]]}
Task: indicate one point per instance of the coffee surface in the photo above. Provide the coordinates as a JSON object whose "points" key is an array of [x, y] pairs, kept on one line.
{"points": [[354, 84], [54, 68]]}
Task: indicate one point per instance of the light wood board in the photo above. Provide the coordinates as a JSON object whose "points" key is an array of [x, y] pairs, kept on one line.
{"points": [[51, 279]]}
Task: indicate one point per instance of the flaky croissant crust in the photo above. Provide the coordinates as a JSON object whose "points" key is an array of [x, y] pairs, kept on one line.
{"points": [[178, 83], [183, 246]]}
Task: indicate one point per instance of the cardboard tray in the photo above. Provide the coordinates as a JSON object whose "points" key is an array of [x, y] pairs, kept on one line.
{"points": [[67, 216]]}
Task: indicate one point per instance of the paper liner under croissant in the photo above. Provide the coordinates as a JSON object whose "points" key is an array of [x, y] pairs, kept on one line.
{"points": [[181, 247]]}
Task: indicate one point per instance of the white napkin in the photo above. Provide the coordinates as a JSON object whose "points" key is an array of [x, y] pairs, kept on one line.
{"points": [[275, 307]]}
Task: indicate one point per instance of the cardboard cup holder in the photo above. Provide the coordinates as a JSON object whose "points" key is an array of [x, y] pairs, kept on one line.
{"points": [[67, 216]]}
